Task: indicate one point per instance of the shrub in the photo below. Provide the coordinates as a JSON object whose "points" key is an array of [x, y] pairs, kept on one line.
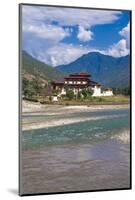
{"points": [[79, 95], [70, 94], [31, 88], [84, 93], [90, 91], [50, 98], [30, 99]]}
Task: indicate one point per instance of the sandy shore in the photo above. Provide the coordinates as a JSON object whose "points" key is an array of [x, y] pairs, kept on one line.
{"points": [[29, 107], [37, 116]]}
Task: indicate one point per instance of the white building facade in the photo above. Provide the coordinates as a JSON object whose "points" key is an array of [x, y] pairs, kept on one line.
{"points": [[78, 82]]}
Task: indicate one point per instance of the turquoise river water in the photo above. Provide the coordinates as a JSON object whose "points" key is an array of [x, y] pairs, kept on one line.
{"points": [[88, 155]]}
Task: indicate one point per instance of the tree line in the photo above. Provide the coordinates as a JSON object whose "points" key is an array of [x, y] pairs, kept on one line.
{"points": [[122, 91]]}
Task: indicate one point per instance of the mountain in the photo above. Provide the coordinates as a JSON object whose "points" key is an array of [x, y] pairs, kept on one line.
{"points": [[32, 68], [107, 70]]}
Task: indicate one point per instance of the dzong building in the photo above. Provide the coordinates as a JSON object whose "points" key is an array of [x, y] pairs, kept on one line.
{"points": [[77, 82]]}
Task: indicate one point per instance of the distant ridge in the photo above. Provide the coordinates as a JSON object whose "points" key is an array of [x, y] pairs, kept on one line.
{"points": [[32, 67], [107, 70]]}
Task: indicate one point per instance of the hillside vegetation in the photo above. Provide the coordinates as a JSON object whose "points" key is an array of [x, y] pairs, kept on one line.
{"points": [[36, 76], [34, 68]]}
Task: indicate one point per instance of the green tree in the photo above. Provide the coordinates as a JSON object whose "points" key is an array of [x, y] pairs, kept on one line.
{"points": [[37, 85], [31, 87], [79, 95], [84, 93], [122, 91], [29, 91], [90, 92], [70, 94]]}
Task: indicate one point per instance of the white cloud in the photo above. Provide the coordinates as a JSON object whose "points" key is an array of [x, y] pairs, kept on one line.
{"points": [[62, 54], [41, 20], [84, 35], [69, 16], [119, 49], [125, 32], [48, 32], [44, 28]]}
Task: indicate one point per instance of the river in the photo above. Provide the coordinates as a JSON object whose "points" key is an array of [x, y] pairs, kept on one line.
{"points": [[82, 156]]}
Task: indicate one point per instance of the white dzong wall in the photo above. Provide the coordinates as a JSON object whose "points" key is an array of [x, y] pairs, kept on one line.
{"points": [[97, 91]]}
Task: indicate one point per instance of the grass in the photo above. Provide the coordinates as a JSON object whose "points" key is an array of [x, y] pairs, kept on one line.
{"points": [[98, 100], [116, 99]]}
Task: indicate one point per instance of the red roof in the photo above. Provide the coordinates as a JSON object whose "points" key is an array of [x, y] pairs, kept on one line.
{"points": [[58, 82], [81, 75], [84, 73], [78, 75]]}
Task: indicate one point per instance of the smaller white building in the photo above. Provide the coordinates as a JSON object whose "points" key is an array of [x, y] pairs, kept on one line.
{"points": [[98, 93], [108, 93]]}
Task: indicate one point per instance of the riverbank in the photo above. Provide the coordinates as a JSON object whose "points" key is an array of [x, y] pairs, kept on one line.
{"points": [[29, 107], [36, 116]]}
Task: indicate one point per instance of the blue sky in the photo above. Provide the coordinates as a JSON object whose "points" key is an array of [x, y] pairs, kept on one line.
{"points": [[61, 35]]}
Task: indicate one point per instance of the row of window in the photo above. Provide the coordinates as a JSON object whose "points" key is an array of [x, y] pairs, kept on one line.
{"points": [[75, 82]]}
